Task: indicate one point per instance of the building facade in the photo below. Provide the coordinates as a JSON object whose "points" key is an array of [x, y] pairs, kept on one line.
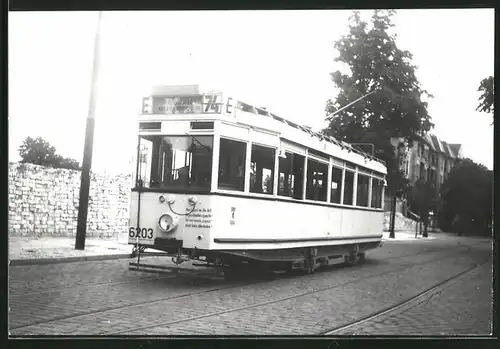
{"points": [[429, 158]]}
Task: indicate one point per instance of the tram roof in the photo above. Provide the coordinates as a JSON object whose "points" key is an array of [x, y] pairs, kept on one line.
{"points": [[185, 90], [306, 129]]}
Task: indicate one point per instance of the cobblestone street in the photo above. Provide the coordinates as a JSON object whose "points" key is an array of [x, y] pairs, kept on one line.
{"points": [[104, 297]]}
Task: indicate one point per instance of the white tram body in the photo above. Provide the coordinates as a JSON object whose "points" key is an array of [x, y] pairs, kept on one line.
{"points": [[229, 182]]}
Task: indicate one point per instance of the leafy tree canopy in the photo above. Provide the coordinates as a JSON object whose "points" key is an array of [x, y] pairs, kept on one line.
{"points": [[486, 100], [467, 193], [397, 108], [39, 152]]}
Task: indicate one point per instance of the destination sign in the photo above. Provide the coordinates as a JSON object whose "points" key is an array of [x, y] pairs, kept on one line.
{"points": [[209, 103]]}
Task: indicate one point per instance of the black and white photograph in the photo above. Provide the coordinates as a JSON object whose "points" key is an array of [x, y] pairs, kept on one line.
{"points": [[251, 173]]}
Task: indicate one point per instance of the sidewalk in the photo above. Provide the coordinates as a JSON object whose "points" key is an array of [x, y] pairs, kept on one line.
{"points": [[45, 250], [406, 235], [410, 235]]}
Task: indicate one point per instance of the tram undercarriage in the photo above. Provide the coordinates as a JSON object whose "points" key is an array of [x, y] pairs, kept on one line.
{"points": [[234, 262]]}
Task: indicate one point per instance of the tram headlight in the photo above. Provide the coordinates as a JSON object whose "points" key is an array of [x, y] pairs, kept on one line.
{"points": [[167, 222]]}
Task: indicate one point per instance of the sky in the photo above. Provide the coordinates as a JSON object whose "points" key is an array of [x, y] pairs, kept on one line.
{"points": [[281, 60]]}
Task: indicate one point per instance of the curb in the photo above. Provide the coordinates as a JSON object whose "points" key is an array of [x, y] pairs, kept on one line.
{"points": [[21, 262]]}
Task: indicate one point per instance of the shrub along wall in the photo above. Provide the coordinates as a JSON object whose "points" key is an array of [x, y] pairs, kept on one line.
{"points": [[43, 201]]}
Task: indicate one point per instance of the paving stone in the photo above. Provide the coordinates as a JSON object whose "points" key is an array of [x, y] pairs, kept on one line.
{"points": [[391, 274]]}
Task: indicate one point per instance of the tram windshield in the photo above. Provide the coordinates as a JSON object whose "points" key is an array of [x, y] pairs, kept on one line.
{"points": [[175, 162]]}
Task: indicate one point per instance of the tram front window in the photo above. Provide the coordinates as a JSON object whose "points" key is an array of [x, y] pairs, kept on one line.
{"points": [[176, 162]]}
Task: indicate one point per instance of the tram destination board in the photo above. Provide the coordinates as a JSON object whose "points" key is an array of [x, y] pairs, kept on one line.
{"points": [[195, 104]]}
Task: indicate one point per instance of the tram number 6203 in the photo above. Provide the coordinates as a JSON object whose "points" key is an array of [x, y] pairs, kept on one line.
{"points": [[140, 233]]}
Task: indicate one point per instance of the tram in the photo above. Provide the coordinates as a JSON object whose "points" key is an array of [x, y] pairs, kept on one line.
{"points": [[231, 184]]}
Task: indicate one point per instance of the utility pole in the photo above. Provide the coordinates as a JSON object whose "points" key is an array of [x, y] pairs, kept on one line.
{"points": [[394, 197], [81, 230]]}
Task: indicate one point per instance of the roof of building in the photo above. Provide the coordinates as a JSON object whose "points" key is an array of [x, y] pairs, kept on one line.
{"points": [[433, 141], [428, 139], [456, 149], [437, 144]]}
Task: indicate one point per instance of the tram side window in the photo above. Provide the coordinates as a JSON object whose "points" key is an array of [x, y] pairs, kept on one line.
{"points": [[285, 175], [316, 180], [232, 157], [262, 169], [336, 185], [362, 191], [298, 175], [349, 187], [291, 174], [377, 186]]}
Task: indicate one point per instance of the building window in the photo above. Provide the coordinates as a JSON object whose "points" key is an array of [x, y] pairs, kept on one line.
{"points": [[422, 171], [262, 169], [180, 162], [317, 173], [232, 157], [336, 189], [377, 186], [349, 187]]}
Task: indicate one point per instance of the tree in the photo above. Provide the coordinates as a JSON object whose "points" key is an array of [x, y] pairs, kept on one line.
{"points": [[423, 199], [397, 108], [39, 152], [486, 100], [467, 194], [68, 163]]}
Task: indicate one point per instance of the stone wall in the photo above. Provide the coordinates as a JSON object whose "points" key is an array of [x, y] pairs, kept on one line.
{"points": [[44, 202]]}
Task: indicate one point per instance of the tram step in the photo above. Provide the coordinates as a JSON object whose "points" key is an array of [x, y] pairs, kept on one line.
{"points": [[151, 268]]}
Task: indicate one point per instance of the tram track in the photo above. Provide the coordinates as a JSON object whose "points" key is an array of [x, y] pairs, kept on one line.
{"points": [[400, 305], [90, 285], [134, 277], [452, 254], [280, 299], [139, 279], [235, 309], [170, 276]]}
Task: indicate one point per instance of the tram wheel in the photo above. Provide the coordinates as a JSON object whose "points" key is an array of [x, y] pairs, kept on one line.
{"points": [[351, 259], [309, 266], [362, 257]]}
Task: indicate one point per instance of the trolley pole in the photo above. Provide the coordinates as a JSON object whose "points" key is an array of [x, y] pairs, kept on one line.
{"points": [[81, 230]]}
